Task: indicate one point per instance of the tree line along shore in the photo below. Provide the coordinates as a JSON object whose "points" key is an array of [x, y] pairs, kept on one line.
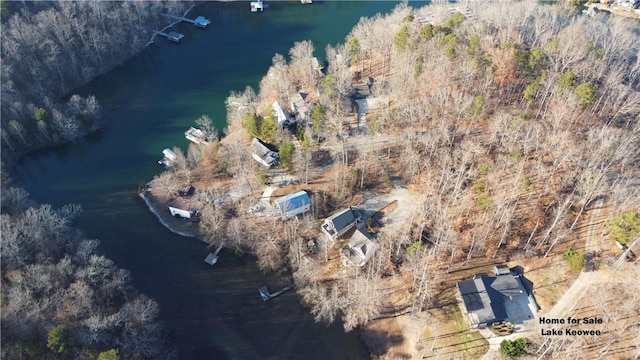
{"points": [[468, 136]]}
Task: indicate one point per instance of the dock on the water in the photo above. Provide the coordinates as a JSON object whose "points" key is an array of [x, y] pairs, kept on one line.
{"points": [[266, 296], [199, 21], [258, 5], [212, 258], [196, 136], [172, 36]]}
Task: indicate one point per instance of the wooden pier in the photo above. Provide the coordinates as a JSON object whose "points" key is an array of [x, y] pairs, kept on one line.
{"points": [[266, 296], [172, 36], [199, 21]]}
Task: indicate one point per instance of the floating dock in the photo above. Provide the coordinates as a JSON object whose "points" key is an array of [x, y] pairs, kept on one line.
{"points": [[196, 136], [169, 157], [172, 36], [212, 258], [199, 21], [266, 296]]}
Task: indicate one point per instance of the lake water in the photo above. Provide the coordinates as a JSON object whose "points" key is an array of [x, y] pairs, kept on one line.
{"points": [[211, 312]]}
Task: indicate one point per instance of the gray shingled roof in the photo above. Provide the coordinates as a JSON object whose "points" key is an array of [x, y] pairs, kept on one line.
{"points": [[484, 296], [343, 219]]}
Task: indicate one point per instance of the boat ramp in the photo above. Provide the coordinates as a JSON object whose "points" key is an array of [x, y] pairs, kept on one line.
{"points": [[266, 295]]}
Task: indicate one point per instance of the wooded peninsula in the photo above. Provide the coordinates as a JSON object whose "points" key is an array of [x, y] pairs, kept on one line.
{"points": [[435, 145]]}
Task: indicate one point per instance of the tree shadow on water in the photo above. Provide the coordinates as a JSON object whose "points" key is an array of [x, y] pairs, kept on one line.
{"points": [[379, 342]]}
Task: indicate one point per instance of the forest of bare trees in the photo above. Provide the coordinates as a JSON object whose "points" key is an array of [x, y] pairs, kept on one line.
{"points": [[49, 48], [507, 125], [62, 300]]}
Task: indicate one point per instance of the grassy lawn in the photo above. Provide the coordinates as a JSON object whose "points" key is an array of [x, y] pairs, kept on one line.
{"points": [[451, 337]]}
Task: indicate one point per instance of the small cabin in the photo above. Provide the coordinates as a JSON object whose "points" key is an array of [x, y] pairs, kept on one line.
{"points": [[262, 154], [294, 204]]}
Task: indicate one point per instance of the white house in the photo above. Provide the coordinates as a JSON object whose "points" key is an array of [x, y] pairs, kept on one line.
{"points": [[262, 154], [294, 204], [281, 116]]}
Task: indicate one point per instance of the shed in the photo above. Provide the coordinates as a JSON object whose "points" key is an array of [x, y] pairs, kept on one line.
{"points": [[338, 224], [294, 204], [262, 154]]}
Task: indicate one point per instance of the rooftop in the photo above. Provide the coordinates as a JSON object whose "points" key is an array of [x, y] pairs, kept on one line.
{"points": [[293, 201], [488, 299], [343, 219]]}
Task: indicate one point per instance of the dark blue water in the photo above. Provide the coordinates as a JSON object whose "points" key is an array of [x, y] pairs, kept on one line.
{"points": [[148, 102]]}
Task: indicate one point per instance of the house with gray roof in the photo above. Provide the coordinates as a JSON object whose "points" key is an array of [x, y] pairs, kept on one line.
{"points": [[338, 224], [489, 299], [360, 249], [262, 154]]}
